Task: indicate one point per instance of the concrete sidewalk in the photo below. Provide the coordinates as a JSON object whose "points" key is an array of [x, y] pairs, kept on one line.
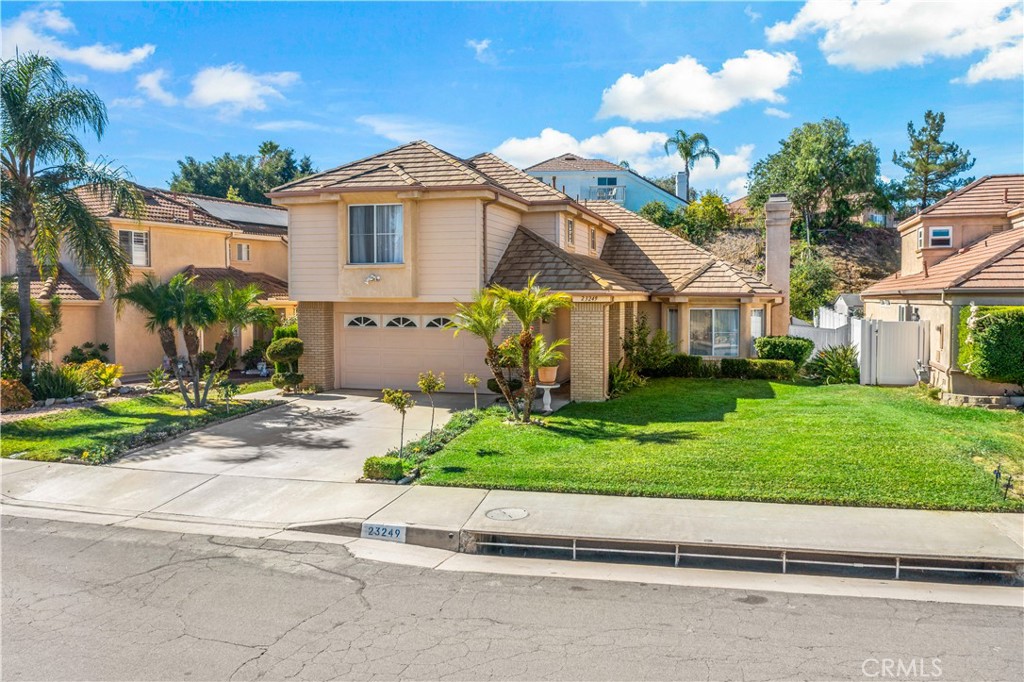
{"points": [[439, 517]]}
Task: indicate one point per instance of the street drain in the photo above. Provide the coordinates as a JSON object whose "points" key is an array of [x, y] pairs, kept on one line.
{"points": [[507, 514]]}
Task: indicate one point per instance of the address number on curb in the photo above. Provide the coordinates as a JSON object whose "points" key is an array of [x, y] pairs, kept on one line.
{"points": [[391, 532]]}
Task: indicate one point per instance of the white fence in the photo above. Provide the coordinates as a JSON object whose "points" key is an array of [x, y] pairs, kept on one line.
{"points": [[830, 319], [891, 353], [822, 337]]}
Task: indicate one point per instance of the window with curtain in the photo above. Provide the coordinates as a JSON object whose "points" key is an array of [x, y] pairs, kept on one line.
{"points": [[715, 332], [672, 319], [135, 245], [375, 234]]}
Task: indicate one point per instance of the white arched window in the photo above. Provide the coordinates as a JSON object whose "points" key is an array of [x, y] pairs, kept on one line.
{"points": [[401, 322], [438, 322], [362, 321]]}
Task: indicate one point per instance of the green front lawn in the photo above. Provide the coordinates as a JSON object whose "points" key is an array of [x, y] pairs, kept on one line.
{"points": [[113, 425], [750, 440]]}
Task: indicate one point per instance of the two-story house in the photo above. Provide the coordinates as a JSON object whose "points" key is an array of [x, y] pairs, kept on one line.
{"points": [[207, 237], [381, 249], [600, 180], [967, 248]]}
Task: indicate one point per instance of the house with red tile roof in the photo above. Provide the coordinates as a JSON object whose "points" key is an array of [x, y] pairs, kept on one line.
{"points": [[382, 248], [207, 237], [966, 249]]}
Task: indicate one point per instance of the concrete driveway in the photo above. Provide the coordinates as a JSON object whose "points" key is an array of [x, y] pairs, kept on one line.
{"points": [[322, 437]]}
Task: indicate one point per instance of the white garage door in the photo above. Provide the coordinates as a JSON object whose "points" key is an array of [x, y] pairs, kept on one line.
{"points": [[377, 352]]}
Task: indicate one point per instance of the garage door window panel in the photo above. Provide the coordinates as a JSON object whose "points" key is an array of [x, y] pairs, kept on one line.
{"points": [[401, 322], [362, 321]]}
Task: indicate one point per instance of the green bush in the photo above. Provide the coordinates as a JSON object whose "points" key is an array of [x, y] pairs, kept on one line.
{"points": [[286, 380], [53, 381], [255, 354], [757, 368], [992, 343], [514, 385], [87, 351], [622, 379], [792, 348], [835, 365], [384, 468], [286, 351], [287, 331], [645, 352], [681, 365], [420, 449]]}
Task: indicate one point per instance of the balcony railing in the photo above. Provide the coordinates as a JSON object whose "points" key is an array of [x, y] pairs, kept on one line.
{"points": [[616, 193]]}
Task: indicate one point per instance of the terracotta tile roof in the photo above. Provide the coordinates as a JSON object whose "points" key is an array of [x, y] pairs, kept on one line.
{"points": [[666, 263], [572, 162], [515, 180], [63, 284], [158, 206], [273, 288], [530, 254], [990, 195], [996, 262]]}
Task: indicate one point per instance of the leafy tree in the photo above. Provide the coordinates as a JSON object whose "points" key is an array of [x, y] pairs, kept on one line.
{"points": [[429, 384], [46, 322], [43, 161], [698, 222], [932, 165], [826, 175], [659, 213], [242, 177], [473, 381], [812, 284], [402, 402], [691, 149]]}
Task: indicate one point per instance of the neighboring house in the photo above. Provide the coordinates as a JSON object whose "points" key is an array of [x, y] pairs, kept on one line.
{"points": [[380, 249], [838, 314], [207, 237], [966, 248], [600, 180]]}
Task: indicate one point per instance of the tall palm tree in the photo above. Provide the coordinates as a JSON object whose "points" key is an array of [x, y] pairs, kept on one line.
{"points": [[530, 305], [234, 307], [42, 162], [154, 299], [691, 149], [484, 317]]}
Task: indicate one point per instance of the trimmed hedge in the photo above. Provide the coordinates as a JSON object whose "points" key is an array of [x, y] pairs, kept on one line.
{"points": [[384, 468], [759, 368], [992, 346], [792, 348]]}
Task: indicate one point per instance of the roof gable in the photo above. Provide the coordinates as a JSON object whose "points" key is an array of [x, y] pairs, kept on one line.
{"points": [[574, 162], [990, 195]]}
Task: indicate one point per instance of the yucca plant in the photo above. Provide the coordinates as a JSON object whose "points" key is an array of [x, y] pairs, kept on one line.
{"points": [[835, 365]]}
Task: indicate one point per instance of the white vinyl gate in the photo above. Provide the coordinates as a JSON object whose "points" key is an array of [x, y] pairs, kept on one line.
{"points": [[891, 353]]}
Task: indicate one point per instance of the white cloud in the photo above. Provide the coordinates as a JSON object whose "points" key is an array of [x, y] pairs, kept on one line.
{"points": [[777, 113], [686, 89], [233, 89], [402, 129], [644, 150], [482, 51], [751, 14], [869, 36], [39, 30], [151, 84]]}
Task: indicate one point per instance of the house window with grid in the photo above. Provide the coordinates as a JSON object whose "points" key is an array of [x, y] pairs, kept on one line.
{"points": [[242, 252], [715, 332], [375, 234], [940, 237], [570, 232], [136, 246], [607, 182]]}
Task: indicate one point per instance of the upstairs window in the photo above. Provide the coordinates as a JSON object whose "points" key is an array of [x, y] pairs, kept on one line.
{"points": [[593, 239], [570, 232], [136, 246], [607, 182], [242, 252], [920, 238], [375, 234], [940, 237]]}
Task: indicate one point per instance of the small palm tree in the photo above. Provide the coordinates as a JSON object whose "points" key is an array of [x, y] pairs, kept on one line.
{"points": [[42, 163], [691, 149], [234, 307], [192, 311], [530, 304], [484, 317]]}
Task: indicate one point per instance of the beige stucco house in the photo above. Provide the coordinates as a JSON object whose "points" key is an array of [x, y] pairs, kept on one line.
{"points": [[208, 237], [381, 248], [967, 248]]}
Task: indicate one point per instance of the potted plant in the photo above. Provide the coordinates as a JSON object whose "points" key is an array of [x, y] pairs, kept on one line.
{"points": [[545, 358]]}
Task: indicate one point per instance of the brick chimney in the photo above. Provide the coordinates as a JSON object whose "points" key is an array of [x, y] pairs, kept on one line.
{"points": [[777, 220]]}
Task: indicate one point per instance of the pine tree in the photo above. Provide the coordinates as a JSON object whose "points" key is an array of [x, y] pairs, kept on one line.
{"points": [[932, 165]]}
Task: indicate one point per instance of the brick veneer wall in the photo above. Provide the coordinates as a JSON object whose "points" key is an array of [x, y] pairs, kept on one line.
{"points": [[316, 329], [589, 334]]}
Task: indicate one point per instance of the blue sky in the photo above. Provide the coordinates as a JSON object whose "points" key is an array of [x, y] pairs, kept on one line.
{"points": [[339, 81]]}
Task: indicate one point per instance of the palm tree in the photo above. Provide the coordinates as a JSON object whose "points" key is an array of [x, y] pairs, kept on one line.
{"points": [[484, 318], [530, 304], [42, 162], [156, 302], [192, 311], [234, 307], [691, 149]]}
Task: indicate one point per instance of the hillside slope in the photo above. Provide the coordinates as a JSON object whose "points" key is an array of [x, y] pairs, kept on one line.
{"points": [[859, 260]]}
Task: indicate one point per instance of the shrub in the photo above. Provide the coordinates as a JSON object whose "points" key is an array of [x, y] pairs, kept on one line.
{"points": [[622, 379], [107, 374], [680, 365], [645, 352], [285, 353], [384, 468], [255, 354], [744, 368], [286, 380], [792, 348], [285, 331], [514, 385], [835, 365], [14, 396], [89, 370], [52, 381], [157, 377], [992, 343], [86, 352], [420, 449]]}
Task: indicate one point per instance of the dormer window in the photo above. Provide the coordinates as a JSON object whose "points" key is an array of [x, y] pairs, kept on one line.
{"points": [[920, 238], [570, 232], [940, 237], [593, 239]]}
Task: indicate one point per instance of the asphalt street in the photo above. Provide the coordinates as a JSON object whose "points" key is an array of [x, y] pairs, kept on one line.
{"points": [[85, 602]]}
